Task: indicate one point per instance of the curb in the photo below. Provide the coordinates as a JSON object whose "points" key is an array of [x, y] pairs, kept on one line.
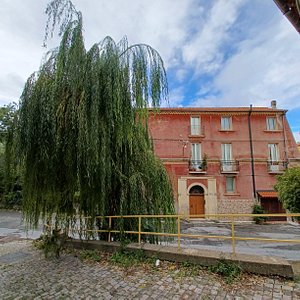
{"points": [[263, 265]]}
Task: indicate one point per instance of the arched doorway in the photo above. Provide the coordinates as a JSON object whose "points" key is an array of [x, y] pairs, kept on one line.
{"points": [[197, 203]]}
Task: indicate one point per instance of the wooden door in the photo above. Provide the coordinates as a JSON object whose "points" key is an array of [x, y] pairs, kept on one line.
{"points": [[196, 204], [273, 206]]}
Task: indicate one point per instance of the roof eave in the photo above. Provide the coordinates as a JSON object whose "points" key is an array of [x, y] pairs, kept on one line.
{"points": [[291, 14]]}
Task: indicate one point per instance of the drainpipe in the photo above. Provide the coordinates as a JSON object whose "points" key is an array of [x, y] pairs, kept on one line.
{"points": [[251, 152], [284, 140]]}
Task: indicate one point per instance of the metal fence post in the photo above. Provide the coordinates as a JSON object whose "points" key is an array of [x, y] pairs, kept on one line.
{"points": [[178, 231], [109, 227], [232, 235], [140, 228]]}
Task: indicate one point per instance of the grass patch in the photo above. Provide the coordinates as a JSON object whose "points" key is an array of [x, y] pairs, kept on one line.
{"points": [[187, 269], [127, 259], [92, 255], [229, 270]]}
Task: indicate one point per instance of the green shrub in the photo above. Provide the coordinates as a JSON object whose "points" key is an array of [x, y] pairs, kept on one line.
{"points": [[127, 258], [90, 255], [258, 209], [51, 243], [228, 270]]}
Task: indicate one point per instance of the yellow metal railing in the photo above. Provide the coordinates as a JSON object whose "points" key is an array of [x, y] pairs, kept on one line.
{"points": [[232, 218]]}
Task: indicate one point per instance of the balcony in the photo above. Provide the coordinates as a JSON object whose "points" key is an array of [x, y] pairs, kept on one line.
{"points": [[229, 166], [196, 130], [197, 166], [277, 167]]}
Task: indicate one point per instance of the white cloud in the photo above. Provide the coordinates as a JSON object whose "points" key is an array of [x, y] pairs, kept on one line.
{"points": [[162, 24], [193, 37], [265, 67], [204, 49], [176, 98]]}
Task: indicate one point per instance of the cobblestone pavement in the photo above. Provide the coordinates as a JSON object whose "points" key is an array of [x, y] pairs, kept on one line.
{"points": [[26, 274]]}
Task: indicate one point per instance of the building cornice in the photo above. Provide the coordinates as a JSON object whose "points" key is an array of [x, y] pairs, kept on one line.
{"points": [[217, 111]]}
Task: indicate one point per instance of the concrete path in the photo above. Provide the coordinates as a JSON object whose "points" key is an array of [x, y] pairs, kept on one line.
{"points": [[11, 228], [290, 251]]}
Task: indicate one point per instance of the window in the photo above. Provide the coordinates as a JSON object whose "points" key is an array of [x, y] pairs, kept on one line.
{"points": [[273, 152], [230, 184], [226, 123], [196, 152], [227, 164], [271, 123], [195, 163], [195, 126], [273, 157], [226, 152]]}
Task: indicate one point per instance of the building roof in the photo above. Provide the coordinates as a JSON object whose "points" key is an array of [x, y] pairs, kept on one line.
{"points": [[267, 194], [290, 10], [226, 110]]}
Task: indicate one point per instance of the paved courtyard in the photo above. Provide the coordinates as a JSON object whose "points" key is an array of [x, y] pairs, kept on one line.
{"points": [[26, 274]]}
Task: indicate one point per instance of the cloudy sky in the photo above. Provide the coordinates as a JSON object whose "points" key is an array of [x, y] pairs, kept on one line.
{"points": [[217, 52]]}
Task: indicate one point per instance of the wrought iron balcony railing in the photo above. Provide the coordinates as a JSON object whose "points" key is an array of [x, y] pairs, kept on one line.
{"points": [[278, 166], [196, 130], [229, 166], [197, 165]]}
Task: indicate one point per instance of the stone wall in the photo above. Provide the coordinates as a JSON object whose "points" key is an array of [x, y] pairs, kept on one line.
{"points": [[236, 206]]}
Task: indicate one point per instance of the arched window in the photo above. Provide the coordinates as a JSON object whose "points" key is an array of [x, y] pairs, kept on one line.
{"points": [[196, 189]]}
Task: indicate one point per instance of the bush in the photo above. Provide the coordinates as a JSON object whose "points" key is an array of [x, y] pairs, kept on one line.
{"points": [[288, 188], [227, 269], [258, 209]]}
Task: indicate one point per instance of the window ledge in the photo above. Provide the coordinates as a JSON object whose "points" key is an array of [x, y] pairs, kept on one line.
{"points": [[196, 135], [231, 194], [226, 130], [197, 172], [273, 130], [276, 172]]}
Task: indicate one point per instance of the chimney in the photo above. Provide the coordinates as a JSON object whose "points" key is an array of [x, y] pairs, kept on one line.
{"points": [[273, 104]]}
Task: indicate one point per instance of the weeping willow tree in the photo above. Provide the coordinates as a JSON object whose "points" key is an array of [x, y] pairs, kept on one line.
{"points": [[83, 137]]}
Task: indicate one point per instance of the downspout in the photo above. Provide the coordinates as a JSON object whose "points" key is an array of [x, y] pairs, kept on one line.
{"points": [[251, 152], [284, 141]]}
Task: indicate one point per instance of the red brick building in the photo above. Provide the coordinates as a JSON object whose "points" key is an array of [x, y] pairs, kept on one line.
{"points": [[221, 159]]}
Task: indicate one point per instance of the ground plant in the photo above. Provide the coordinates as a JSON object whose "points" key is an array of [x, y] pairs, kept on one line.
{"points": [[258, 209], [51, 242], [128, 259], [82, 135], [229, 270]]}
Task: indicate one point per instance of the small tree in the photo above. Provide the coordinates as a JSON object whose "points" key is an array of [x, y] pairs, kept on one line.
{"points": [[288, 188]]}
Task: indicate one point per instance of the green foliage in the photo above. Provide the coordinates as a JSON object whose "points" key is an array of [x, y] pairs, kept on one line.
{"points": [[51, 243], [92, 255], [127, 258], [187, 269], [10, 174], [229, 270], [258, 209], [7, 117], [288, 188], [83, 140]]}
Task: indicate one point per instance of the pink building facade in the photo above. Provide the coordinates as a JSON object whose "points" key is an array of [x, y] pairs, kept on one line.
{"points": [[222, 160]]}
